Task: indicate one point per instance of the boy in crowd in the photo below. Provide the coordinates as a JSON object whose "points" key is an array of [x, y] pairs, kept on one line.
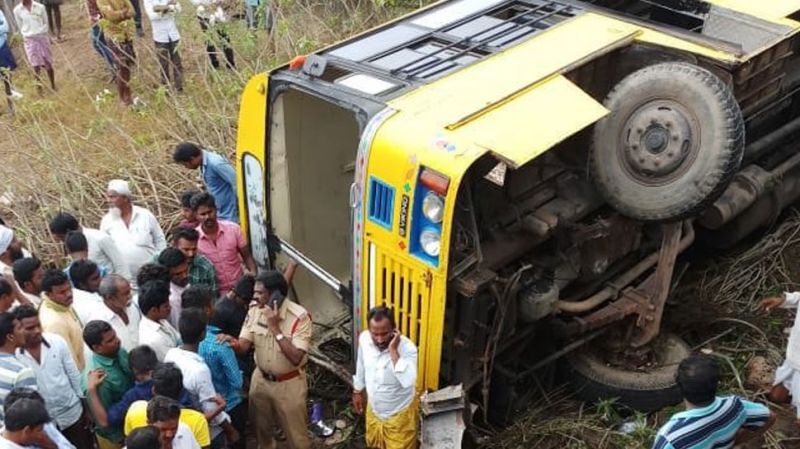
{"points": [[220, 359], [164, 414], [168, 382], [189, 219], [108, 377], [197, 377], [28, 273], [154, 329]]}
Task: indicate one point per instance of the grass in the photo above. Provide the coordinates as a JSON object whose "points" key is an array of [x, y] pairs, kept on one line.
{"points": [[715, 308], [60, 149]]}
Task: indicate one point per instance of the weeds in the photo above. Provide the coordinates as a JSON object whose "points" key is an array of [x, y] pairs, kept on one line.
{"points": [[60, 150]]}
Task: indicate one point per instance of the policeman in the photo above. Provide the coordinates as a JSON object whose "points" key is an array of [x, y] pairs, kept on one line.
{"points": [[280, 332]]}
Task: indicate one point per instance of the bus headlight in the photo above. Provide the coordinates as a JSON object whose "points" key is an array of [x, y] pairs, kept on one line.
{"points": [[433, 207], [430, 242]]}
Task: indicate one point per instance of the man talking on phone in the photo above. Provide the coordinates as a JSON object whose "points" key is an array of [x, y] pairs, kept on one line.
{"points": [[280, 332], [387, 369]]}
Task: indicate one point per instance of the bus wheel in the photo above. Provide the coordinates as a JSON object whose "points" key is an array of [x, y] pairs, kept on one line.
{"points": [[645, 389], [671, 144]]}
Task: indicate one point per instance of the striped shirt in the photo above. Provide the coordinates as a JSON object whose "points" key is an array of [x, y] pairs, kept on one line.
{"points": [[711, 427], [13, 374]]}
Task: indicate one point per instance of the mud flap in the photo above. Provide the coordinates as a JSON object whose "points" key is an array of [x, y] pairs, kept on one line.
{"points": [[442, 418]]}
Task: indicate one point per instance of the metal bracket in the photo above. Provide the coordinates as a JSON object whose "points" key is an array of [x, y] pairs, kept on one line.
{"points": [[656, 287], [442, 418]]}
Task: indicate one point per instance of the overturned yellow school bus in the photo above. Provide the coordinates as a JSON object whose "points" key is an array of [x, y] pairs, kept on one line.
{"points": [[517, 178]]}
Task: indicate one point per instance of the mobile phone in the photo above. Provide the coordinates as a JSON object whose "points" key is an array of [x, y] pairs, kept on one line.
{"points": [[275, 299]]}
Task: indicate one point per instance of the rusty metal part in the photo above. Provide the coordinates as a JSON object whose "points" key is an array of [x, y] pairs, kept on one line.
{"points": [[656, 286], [747, 187], [614, 287], [614, 312]]}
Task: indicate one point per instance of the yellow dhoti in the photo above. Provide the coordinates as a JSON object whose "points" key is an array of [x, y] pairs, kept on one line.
{"points": [[396, 432]]}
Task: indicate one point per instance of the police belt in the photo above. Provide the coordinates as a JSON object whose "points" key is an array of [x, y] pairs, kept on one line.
{"points": [[279, 378]]}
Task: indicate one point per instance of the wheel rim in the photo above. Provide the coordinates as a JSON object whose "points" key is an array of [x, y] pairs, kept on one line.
{"points": [[659, 142]]}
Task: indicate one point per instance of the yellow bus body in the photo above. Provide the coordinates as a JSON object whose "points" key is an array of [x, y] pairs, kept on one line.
{"points": [[450, 123]]}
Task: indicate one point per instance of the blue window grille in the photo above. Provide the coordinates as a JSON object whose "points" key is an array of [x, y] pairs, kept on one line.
{"points": [[381, 202]]}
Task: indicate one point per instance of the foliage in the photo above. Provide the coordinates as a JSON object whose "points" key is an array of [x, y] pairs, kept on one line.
{"points": [[59, 150]]}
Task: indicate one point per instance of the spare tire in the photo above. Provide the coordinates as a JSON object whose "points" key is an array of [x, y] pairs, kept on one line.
{"points": [[671, 144], [644, 390]]}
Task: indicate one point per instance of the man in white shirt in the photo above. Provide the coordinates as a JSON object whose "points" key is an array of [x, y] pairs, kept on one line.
{"points": [[154, 329], [32, 20], [10, 250], [102, 249], [786, 387], [118, 310], [85, 276], [164, 414], [24, 425], [178, 266], [197, 376], [134, 229], [57, 377], [28, 273], [167, 38], [387, 369]]}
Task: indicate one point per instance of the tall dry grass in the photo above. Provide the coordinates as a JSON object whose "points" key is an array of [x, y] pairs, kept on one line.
{"points": [[60, 150]]}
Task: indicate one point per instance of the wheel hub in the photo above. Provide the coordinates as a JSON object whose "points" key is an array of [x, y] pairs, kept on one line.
{"points": [[659, 140]]}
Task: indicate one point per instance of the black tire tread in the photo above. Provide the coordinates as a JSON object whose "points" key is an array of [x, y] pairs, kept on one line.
{"points": [[639, 391], [732, 151]]}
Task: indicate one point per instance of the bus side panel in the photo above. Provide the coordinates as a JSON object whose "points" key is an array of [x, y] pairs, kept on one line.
{"points": [[251, 141]]}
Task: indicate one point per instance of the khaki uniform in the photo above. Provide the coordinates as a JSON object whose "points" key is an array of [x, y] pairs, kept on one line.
{"points": [[272, 398]]}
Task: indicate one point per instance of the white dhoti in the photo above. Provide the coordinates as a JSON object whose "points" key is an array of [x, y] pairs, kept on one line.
{"points": [[789, 377]]}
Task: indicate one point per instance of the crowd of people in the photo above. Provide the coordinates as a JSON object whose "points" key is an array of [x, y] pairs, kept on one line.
{"points": [[113, 27], [176, 338]]}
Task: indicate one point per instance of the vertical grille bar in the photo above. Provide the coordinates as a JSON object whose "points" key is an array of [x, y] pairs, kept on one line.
{"points": [[399, 287]]}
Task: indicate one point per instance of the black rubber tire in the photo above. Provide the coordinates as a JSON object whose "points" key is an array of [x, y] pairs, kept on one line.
{"points": [[715, 143], [594, 380]]}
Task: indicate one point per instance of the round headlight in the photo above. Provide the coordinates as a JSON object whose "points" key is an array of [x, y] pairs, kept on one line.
{"points": [[433, 207], [430, 241]]}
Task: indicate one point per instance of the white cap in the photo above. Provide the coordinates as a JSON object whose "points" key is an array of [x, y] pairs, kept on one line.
{"points": [[6, 236], [120, 187]]}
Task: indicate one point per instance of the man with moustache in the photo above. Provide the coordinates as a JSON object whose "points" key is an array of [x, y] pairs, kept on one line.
{"points": [[10, 250], [221, 242], [57, 377], [201, 272], [178, 266], [58, 316], [28, 273], [280, 332], [134, 229], [387, 369], [118, 310]]}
